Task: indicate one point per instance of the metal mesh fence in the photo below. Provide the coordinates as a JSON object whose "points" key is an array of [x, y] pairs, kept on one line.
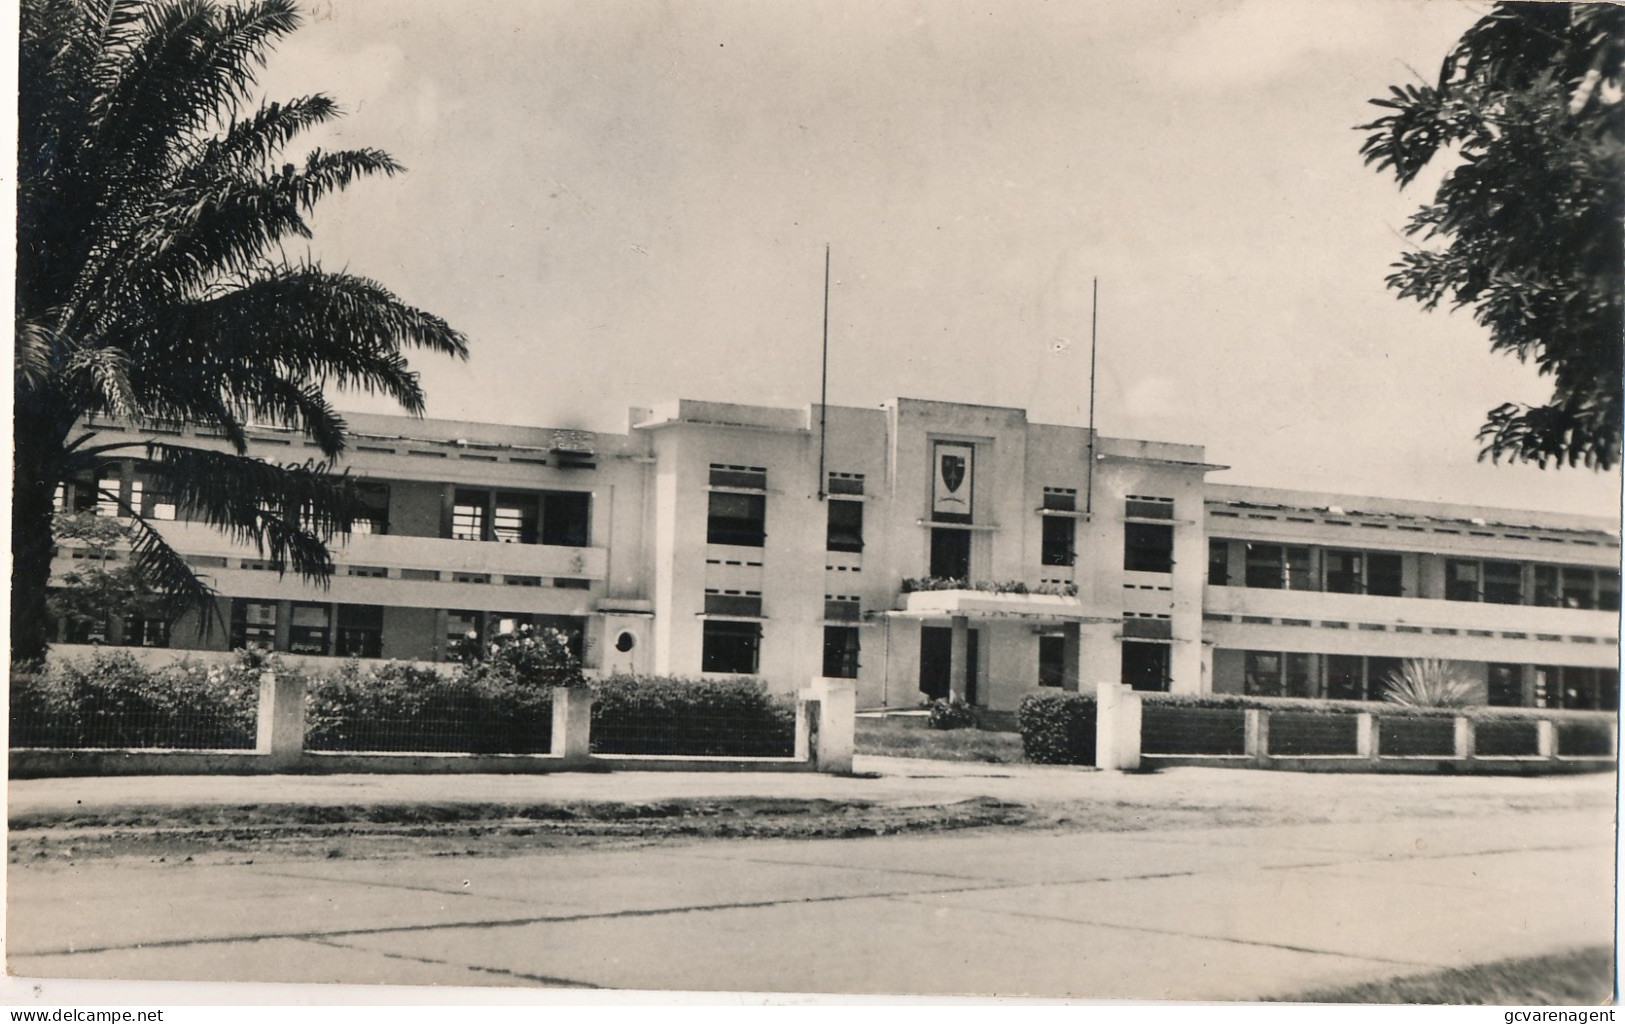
{"points": [[110, 709], [428, 716], [1184, 730], [691, 718], [1416, 737], [1584, 739], [1493, 738], [1304, 735]]}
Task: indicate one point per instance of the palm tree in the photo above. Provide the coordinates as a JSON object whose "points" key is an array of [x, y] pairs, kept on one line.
{"points": [[151, 286], [1432, 683]]}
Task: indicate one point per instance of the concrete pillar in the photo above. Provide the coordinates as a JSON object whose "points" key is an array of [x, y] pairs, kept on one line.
{"points": [[1256, 745], [572, 722], [1071, 656], [832, 742], [958, 658], [281, 726], [806, 725], [1545, 738], [1365, 736], [1464, 737], [1117, 727]]}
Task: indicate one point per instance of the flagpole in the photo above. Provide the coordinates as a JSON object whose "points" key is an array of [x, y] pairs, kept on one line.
{"points": [[1089, 491], [823, 385]]}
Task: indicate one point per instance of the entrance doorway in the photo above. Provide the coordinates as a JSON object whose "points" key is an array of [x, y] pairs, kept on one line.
{"points": [[950, 554], [937, 659]]}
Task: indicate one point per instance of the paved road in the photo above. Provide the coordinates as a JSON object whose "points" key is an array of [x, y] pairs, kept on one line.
{"points": [[1211, 914]]}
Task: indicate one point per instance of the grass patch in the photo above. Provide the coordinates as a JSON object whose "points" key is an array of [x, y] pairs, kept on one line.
{"points": [[909, 737], [1581, 977]]}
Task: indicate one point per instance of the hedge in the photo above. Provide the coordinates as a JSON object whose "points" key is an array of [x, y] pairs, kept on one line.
{"points": [[401, 707], [694, 717], [111, 701], [1057, 728]]}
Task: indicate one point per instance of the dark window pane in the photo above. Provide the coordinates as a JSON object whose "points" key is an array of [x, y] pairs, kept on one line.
{"points": [[1579, 588], [1385, 575], [1059, 535], [733, 604], [1051, 660], [1460, 581], [1300, 675], [1377, 671], [845, 531], [1139, 508], [1262, 673], [1145, 666], [1264, 566], [253, 625], [730, 647], [1148, 547], [737, 519], [1503, 583], [565, 517], [1299, 574], [1343, 575], [950, 554], [1345, 677], [753, 477], [513, 519], [1061, 500], [1218, 563], [1505, 685], [1548, 591], [841, 652]]}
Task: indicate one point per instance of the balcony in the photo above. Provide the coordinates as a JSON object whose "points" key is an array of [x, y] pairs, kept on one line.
{"points": [[394, 551], [992, 604], [1408, 611]]}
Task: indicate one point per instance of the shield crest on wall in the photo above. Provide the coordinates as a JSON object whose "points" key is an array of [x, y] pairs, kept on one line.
{"points": [[953, 471]]}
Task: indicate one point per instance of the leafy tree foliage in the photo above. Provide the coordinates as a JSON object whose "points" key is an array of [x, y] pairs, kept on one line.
{"points": [[1528, 220], [151, 286]]}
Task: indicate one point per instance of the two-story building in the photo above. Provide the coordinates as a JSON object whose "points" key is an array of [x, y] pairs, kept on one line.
{"points": [[921, 548]]}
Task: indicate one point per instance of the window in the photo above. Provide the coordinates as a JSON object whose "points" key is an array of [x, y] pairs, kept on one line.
{"points": [[1460, 581], [1145, 666], [950, 553], [1505, 685], [1503, 583], [1608, 590], [845, 531], [360, 631], [1218, 563], [566, 518], [1343, 572], [1273, 567], [468, 515], [1272, 674], [146, 631], [1060, 534], [1384, 574], [253, 625], [1140, 506], [1264, 568], [465, 634], [1579, 588], [1377, 671], [514, 518], [1148, 547], [841, 652], [838, 608], [1345, 677], [108, 485], [737, 519], [1574, 687], [1548, 590], [1051, 661], [728, 646], [308, 626], [748, 477], [373, 516], [845, 483], [733, 602], [1061, 499]]}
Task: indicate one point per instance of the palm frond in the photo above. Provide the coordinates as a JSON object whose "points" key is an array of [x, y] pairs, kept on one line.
{"points": [[1432, 683]]}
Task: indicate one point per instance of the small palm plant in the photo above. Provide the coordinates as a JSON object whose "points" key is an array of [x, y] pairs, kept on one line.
{"points": [[1432, 683]]}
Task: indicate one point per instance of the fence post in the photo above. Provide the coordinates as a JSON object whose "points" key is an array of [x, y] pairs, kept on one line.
{"points": [[1546, 738], [572, 723], [280, 729], [1465, 738], [1117, 727], [1365, 736], [826, 724], [1256, 744]]}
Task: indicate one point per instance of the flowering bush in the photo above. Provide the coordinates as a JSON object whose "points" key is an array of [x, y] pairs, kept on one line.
{"points": [[950, 714], [917, 584]]}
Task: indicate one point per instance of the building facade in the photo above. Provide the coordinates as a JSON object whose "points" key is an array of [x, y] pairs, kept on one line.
{"points": [[921, 548]]}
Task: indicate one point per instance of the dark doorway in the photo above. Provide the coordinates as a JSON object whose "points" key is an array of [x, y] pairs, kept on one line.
{"points": [[1145, 666], [950, 554], [936, 662]]}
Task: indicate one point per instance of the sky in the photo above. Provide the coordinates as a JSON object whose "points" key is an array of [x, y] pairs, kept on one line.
{"points": [[621, 202]]}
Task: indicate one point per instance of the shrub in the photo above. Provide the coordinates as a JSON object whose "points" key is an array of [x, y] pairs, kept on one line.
{"points": [[1432, 683], [402, 707], [950, 714], [709, 717], [529, 658], [1058, 728], [111, 700]]}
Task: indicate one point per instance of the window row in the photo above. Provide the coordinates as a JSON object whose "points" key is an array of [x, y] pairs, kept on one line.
{"points": [[1365, 677], [733, 646]]}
